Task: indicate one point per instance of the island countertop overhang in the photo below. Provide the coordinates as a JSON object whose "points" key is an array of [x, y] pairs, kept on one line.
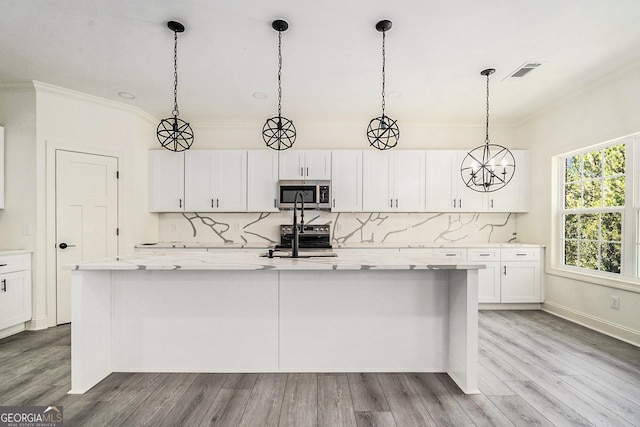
{"points": [[243, 261]]}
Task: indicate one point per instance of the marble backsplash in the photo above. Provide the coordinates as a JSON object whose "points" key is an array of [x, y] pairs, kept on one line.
{"points": [[219, 228]]}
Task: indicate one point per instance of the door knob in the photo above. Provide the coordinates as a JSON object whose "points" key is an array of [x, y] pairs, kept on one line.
{"points": [[63, 245]]}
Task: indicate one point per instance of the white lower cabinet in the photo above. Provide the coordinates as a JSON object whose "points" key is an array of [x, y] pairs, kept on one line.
{"points": [[15, 289]]}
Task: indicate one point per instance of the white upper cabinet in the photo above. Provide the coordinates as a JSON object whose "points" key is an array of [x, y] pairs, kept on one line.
{"points": [[1, 167], [166, 181], [513, 197], [262, 180], [216, 181], [446, 191], [346, 181], [393, 181], [305, 164]]}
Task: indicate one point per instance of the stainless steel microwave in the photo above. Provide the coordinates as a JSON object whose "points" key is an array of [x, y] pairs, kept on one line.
{"points": [[316, 194]]}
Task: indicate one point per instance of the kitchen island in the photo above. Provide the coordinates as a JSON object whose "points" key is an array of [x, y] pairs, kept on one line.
{"points": [[239, 312]]}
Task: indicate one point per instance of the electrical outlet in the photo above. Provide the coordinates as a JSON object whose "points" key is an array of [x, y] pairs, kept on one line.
{"points": [[615, 302], [174, 227]]}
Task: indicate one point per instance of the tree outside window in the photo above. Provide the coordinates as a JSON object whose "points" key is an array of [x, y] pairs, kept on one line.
{"points": [[594, 200]]}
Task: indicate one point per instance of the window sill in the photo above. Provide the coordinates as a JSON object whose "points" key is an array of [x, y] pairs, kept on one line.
{"points": [[626, 284]]}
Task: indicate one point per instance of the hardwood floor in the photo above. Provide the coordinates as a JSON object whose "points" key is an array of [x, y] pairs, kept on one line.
{"points": [[535, 369]]}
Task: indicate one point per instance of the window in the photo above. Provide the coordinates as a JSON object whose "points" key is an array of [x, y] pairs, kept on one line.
{"points": [[594, 203]]}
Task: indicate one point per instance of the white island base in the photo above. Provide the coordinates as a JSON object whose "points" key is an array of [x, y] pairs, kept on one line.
{"points": [[274, 320]]}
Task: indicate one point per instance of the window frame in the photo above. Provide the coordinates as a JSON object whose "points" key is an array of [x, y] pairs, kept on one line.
{"points": [[630, 225]]}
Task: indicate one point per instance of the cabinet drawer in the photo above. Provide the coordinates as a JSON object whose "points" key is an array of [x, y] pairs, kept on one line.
{"points": [[489, 254], [17, 262], [521, 254], [451, 253]]}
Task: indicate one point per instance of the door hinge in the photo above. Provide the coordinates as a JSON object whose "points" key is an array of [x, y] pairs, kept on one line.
{"points": [[117, 231], [117, 174]]}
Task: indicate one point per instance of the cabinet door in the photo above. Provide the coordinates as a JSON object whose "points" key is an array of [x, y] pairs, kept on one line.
{"points": [[291, 164], [489, 282], [376, 185], [466, 199], [230, 180], [439, 188], [513, 197], [166, 181], [520, 282], [317, 164], [262, 180], [409, 181], [15, 298], [199, 180], [346, 181]]}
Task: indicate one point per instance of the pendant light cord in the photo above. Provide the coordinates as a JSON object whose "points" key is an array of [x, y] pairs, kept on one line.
{"points": [[176, 113], [384, 33], [279, 73], [486, 137]]}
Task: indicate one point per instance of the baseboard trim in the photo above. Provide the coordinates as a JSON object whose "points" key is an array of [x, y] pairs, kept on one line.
{"points": [[12, 330], [499, 306], [37, 324], [614, 330]]}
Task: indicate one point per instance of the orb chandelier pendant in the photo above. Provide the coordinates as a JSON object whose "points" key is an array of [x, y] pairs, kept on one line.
{"points": [[383, 132], [488, 167], [174, 133], [278, 132]]}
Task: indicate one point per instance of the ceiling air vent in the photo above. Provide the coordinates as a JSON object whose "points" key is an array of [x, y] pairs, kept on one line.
{"points": [[525, 69]]}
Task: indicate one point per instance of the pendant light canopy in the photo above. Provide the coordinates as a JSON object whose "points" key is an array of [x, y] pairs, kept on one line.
{"points": [[173, 133], [383, 132], [488, 167], [278, 132]]}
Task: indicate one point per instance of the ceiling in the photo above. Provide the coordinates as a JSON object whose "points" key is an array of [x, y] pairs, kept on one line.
{"points": [[331, 55]]}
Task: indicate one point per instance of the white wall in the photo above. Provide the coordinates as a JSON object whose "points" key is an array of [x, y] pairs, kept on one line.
{"points": [[606, 110]]}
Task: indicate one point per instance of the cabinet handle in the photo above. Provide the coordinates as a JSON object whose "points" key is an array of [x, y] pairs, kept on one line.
{"points": [[460, 203], [454, 203], [334, 203], [485, 254], [217, 203], [4, 285], [274, 203], [307, 170], [391, 203], [180, 202], [521, 254], [211, 202], [505, 270], [301, 171], [449, 254], [396, 203], [3, 265], [491, 203]]}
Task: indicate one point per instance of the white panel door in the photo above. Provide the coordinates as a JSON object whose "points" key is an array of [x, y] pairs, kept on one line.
{"points": [[291, 164], [467, 200], [262, 180], [346, 181], [409, 181], [15, 298], [230, 180], [86, 216], [439, 186], [199, 181], [521, 282], [377, 195], [489, 282], [513, 197], [317, 164], [166, 181]]}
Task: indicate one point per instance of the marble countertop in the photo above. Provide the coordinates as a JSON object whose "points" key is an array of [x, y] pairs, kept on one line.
{"points": [[257, 245], [232, 260]]}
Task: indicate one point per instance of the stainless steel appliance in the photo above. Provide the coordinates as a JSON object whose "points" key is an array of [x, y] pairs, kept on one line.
{"points": [[312, 237], [316, 194]]}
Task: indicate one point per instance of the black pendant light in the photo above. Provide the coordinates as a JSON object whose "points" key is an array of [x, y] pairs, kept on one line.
{"points": [[173, 133], [488, 167], [278, 132], [383, 132]]}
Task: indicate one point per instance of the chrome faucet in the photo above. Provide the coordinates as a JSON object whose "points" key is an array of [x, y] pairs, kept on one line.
{"points": [[295, 242]]}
